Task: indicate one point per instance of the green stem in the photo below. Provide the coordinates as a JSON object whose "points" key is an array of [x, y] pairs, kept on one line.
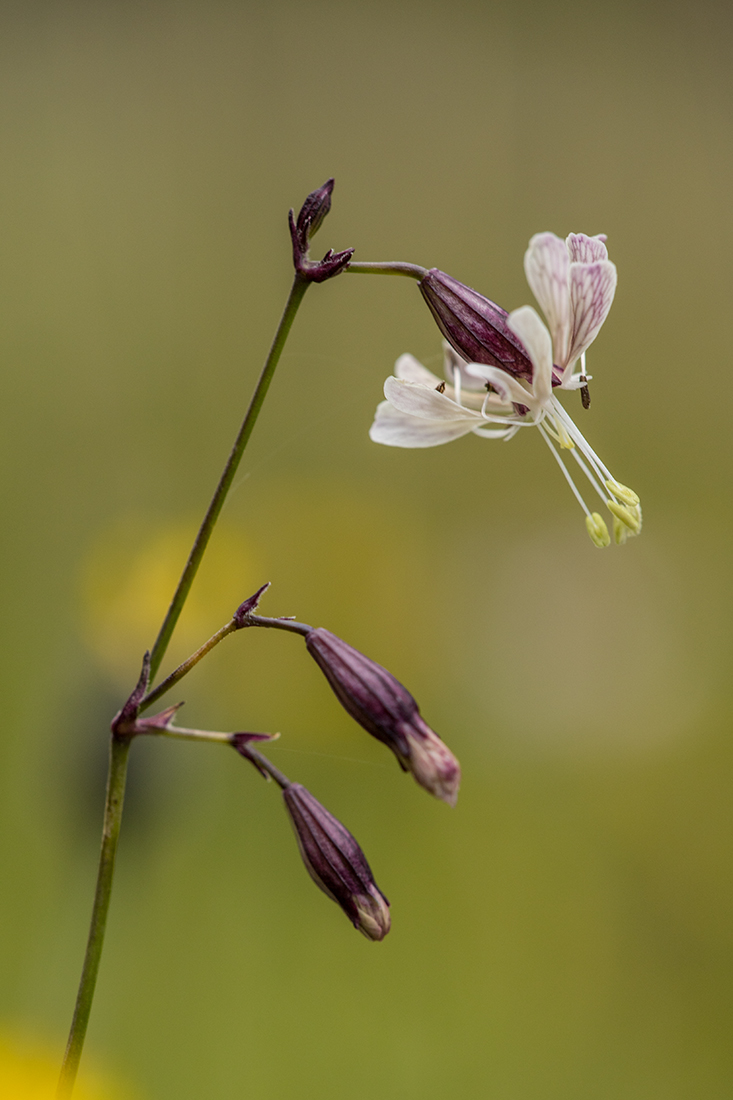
{"points": [[266, 765], [279, 624], [121, 747], [119, 751], [412, 271], [184, 734], [298, 289], [188, 664]]}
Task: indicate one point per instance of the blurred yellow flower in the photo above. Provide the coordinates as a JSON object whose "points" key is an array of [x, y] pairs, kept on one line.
{"points": [[128, 580], [29, 1070]]}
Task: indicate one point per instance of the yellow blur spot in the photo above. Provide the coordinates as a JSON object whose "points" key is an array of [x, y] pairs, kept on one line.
{"points": [[30, 1070], [130, 576]]}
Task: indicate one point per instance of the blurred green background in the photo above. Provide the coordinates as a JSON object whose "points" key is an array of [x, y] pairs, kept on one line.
{"points": [[566, 932]]}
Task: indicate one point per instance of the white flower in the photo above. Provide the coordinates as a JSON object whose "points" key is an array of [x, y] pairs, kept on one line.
{"points": [[574, 282]]}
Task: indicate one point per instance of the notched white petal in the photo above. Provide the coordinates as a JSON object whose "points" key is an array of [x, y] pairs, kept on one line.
{"points": [[398, 429], [526, 323], [592, 287], [425, 402], [546, 265], [408, 367], [586, 250]]}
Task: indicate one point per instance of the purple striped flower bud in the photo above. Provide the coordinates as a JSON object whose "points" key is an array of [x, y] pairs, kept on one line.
{"points": [[336, 863], [379, 703], [476, 327]]}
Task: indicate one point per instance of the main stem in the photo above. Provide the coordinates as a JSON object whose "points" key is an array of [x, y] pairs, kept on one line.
{"points": [[120, 749], [197, 552], [119, 752]]}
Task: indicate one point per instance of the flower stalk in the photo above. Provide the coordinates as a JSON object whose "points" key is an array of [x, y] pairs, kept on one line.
{"points": [[119, 752], [120, 744], [297, 291]]}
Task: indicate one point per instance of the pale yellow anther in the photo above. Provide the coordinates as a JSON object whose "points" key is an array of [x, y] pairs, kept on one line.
{"points": [[597, 530], [564, 439], [628, 496], [620, 531], [631, 517]]}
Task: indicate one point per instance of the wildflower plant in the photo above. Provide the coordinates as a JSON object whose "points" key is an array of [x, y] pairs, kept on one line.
{"points": [[501, 370]]}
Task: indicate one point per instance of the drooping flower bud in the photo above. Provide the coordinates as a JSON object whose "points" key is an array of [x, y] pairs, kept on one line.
{"points": [[386, 710], [312, 212], [476, 327], [336, 863]]}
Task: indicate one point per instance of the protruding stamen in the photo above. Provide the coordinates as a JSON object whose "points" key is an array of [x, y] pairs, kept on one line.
{"points": [[624, 494], [457, 384], [630, 517], [566, 473], [620, 531], [597, 530], [559, 433]]}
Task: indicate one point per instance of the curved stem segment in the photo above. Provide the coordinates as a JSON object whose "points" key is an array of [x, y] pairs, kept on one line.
{"points": [[299, 288], [412, 271], [184, 668], [119, 751]]}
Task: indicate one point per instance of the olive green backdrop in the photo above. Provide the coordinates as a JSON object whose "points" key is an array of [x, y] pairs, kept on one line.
{"points": [[565, 933]]}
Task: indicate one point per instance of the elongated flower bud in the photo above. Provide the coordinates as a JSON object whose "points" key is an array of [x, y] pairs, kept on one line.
{"points": [[473, 325], [379, 703], [306, 225], [336, 863]]}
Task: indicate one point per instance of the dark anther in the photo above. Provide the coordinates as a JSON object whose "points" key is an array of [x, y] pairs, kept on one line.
{"points": [[584, 392], [440, 387]]}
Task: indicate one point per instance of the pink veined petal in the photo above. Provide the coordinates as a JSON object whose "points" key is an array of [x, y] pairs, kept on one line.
{"points": [[592, 287], [409, 368], [398, 429], [527, 325], [586, 250], [547, 265], [425, 402]]}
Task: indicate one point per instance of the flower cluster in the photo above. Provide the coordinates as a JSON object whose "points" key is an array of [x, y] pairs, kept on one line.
{"points": [[501, 369]]}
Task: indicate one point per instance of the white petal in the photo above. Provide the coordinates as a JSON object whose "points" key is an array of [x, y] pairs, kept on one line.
{"points": [[398, 429], [453, 362], [592, 287], [426, 402], [527, 325], [546, 265], [510, 390], [586, 250], [409, 368]]}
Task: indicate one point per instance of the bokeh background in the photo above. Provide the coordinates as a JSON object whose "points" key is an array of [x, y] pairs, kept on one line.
{"points": [[567, 931]]}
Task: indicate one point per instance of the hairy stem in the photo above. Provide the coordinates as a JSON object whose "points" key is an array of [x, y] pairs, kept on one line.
{"points": [[119, 751], [299, 288]]}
